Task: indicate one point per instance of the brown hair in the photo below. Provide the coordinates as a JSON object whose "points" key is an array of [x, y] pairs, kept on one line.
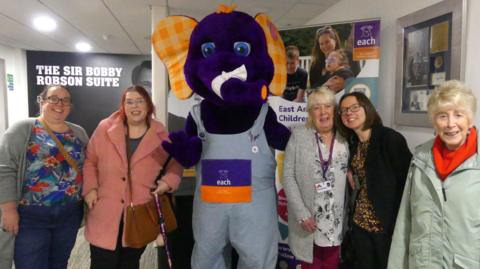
{"points": [[292, 52], [140, 90], [371, 116]]}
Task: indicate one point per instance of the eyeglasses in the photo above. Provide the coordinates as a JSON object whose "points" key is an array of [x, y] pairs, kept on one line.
{"points": [[53, 99], [353, 108], [131, 102], [331, 59]]}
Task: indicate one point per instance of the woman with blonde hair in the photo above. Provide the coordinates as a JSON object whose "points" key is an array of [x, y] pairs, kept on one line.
{"points": [[314, 179], [438, 221]]}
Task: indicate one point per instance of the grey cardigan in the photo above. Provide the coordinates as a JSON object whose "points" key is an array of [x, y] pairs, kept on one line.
{"points": [[13, 150], [298, 181]]}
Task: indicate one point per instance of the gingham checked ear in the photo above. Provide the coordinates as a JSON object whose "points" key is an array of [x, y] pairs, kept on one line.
{"points": [[170, 40], [276, 50]]}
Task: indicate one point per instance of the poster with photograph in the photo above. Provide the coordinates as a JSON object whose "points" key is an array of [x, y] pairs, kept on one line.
{"points": [[96, 81], [417, 58], [350, 62]]}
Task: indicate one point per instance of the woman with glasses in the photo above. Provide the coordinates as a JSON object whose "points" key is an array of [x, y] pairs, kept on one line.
{"points": [[379, 166], [314, 179], [129, 139], [41, 162]]}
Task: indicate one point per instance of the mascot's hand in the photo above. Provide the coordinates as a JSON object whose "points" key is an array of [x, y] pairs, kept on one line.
{"points": [[186, 150], [237, 92]]}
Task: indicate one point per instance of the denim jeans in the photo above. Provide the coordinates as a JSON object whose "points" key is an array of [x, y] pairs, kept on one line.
{"points": [[46, 235]]}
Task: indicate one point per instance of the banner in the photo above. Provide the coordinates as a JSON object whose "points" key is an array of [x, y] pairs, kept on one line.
{"points": [[96, 81], [359, 44]]}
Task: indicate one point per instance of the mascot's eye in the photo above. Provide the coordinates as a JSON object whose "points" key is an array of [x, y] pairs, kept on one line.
{"points": [[241, 48], [208, 49]]}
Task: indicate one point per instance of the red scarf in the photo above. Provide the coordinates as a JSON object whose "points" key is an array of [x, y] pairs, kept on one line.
{"points": [[446, 160]]}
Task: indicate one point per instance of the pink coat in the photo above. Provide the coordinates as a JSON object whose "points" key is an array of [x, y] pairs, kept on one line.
{"points": [[105, 169]]}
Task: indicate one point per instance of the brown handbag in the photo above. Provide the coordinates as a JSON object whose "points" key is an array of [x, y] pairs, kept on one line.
{"points": [[142, 221]]}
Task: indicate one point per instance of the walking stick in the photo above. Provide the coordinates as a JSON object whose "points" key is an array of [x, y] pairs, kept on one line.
{"points": [[164, 256]]}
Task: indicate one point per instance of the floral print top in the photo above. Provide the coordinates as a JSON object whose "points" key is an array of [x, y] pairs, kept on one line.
{"points": [[49, 179], [330, 192], [364, 214]]}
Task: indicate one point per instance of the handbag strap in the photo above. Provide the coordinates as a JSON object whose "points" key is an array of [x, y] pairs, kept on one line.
{"points": [[129, 172], [62, 150]]}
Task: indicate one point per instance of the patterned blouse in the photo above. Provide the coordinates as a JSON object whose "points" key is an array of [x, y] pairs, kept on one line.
{"points": [[330, 197], [49, 179], [364, 215]]}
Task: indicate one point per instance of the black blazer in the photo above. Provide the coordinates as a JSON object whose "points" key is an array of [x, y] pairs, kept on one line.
{"points": [[386, 167]]}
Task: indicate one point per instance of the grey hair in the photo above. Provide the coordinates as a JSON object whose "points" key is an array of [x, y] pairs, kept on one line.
{"points": [[322, 95], [452, 93]]}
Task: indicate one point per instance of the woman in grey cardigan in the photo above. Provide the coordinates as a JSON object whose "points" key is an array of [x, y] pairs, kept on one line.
{"points": [[40, 185], [314, 179]]}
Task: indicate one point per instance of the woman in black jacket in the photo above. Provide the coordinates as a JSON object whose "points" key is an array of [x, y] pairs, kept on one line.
{"points": [[379, 163]]}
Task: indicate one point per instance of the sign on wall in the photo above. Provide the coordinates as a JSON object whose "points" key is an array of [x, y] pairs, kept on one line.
{"points": [[96, 81]]}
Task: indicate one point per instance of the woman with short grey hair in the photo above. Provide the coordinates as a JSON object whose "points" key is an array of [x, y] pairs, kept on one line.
{"points": [[314, 179], [438, 221]]}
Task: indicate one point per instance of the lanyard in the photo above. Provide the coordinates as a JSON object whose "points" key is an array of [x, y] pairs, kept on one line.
{"points": [[325, 163]]}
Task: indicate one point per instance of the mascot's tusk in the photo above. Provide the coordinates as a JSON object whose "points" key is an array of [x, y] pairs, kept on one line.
{"points": [[239, 73]]}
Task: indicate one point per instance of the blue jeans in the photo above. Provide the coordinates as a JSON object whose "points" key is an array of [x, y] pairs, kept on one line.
{"points": [[46, 235]]}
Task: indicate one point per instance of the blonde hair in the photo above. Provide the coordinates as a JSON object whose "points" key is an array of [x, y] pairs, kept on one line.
{"points": [[322, 95], [452, 93]]}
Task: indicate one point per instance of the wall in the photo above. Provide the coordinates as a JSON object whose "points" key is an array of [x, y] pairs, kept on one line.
{"points": [[15, 64], [388, 11]]}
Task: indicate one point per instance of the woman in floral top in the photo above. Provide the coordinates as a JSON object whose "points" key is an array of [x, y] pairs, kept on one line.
{"points": [[45, 210], [314, 178]]}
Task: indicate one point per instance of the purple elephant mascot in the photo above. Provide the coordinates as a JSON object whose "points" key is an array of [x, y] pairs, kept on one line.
{"points": [[233, 61]]}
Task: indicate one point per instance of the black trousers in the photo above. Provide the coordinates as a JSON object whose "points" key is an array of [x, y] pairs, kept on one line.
{"points": [[120, 258], [181, 240], [370, 250]]}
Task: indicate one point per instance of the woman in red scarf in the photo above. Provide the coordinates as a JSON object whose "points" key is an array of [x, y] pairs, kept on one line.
{"points": [[438, 225]]}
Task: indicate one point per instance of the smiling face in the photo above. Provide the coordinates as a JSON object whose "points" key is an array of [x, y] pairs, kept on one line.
{"points": [[326, 43], [55, 113], [135, 108], [352, 113], [451, 124], [322, 114], [333, 61]]}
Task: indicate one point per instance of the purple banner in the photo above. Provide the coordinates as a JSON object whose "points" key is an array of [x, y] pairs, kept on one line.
{"points": [[367, 34], [226, 173]]}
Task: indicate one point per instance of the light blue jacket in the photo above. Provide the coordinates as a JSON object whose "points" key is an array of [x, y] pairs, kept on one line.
{"points": [[437, 229]]}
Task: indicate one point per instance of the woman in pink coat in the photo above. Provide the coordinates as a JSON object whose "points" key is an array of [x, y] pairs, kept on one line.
{"points": [[106, 189]]}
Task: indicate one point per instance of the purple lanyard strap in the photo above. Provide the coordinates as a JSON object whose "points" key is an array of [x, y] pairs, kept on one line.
{"points": [[325, 163]]}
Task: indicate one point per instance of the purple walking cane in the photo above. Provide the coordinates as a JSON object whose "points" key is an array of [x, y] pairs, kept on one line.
{"points": [[164, 256]]}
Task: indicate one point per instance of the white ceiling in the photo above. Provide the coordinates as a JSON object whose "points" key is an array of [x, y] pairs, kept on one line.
{"points": [[123, 26]]}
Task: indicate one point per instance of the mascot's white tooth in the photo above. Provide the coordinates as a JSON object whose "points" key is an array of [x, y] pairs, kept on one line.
{"points": [[239, 73], [217, 84]]}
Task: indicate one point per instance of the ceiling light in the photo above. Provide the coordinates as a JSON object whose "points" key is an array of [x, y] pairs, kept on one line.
{"points": [[44, 23], [83, 46]]}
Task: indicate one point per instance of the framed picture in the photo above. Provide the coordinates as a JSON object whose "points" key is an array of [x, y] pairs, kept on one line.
{"points": [[430, 50]]}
